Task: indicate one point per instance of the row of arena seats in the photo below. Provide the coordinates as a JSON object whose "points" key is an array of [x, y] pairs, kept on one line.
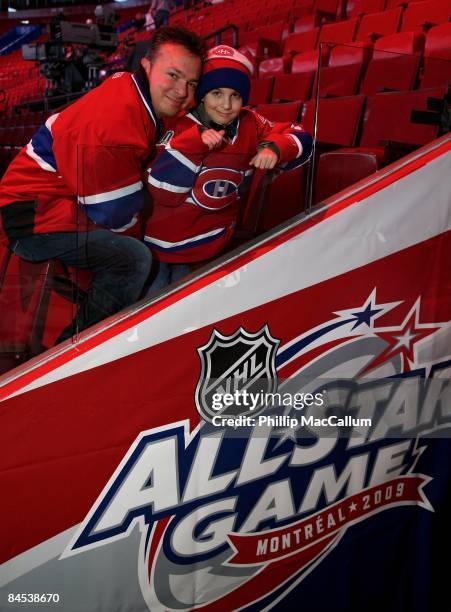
{"points": [[271, 21], [356, 136], [397, 62], [301, 48]]}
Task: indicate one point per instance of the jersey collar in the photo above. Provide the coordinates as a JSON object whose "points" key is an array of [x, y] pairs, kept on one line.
{"points": [[142, 85]]}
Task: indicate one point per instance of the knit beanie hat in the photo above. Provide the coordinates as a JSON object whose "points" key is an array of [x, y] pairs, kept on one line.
{"points": [[225, 67]]}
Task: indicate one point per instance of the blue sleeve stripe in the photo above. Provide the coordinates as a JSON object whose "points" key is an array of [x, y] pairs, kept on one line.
{"points": [[116, 213], [40, 148], [168, 169], [172, 247], [111, 196]]}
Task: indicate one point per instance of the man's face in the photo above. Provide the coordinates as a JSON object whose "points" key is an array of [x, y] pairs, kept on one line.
{"points": [[173, 77]]}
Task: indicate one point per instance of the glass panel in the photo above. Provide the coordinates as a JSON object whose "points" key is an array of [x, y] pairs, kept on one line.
{"points": [[36, 304]]}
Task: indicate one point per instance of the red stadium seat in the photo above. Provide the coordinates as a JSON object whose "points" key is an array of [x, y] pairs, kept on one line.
{"points": [[388, 118], [278, 15], [397, 73], [438, 42], [272, 66], [350, 4], [305, 24], [285, 198], [376, 25], [340, 80], [437, 57], [354, 53], [365, 7], [340, 32], [329, 8], [287, 28], [290, 111], [302, 8], [264, 41], [424, 15], [308, 61], [291, 87], [436, 72], [394, 3], [300, 42], [339, 169], [408, 43], [395, 64], [338, 119], [261, 90]]}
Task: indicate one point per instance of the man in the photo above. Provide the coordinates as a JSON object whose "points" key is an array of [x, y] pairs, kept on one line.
{"points": [[77, 184], [160, 10]]}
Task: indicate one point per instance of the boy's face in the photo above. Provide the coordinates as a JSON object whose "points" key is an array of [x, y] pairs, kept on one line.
{"points": [[173, 77], [223, 105]]}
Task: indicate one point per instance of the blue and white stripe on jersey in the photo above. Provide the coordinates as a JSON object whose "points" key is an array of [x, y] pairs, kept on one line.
{"points": [[114, 209], [172, 247], [145, 100], [173, 171], [40, 147]]}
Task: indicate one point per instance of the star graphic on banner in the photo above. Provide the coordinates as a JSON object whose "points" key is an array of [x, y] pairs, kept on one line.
{"points": [[352, 507], [288, 433], [366, 314], [402, 340]]}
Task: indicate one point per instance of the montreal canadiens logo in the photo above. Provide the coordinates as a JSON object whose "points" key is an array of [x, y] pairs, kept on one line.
{"points": [[234, 363], [225, 51], [216, 188], [226, 523]]}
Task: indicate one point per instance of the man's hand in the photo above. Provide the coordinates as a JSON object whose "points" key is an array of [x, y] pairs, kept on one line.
{"points": [[265, 159], [212, 138]]}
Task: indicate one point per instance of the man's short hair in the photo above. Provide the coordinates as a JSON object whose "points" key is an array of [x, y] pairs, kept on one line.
{"points": [[176, 36]]}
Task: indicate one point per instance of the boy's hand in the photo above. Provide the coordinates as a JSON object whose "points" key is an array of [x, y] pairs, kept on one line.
{"points": [[212, 138], [265, 159]]}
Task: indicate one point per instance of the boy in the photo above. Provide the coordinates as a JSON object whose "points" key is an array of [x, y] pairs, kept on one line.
{"points": [[196, 180]]}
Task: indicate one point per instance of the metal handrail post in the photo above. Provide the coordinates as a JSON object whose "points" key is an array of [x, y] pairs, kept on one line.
{"points": [[311, 172]]}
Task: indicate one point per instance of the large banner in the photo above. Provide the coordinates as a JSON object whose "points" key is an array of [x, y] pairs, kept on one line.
{"points": [[274, 434]]}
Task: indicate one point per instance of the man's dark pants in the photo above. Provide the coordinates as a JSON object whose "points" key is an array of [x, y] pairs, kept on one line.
{"points": [[120, 267]]}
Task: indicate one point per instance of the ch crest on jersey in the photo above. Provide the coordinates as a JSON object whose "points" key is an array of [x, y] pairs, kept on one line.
{"points": [[216, 188], [241, 361]]}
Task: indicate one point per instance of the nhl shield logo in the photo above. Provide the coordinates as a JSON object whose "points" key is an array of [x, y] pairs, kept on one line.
{"points": [[233, 365]]}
